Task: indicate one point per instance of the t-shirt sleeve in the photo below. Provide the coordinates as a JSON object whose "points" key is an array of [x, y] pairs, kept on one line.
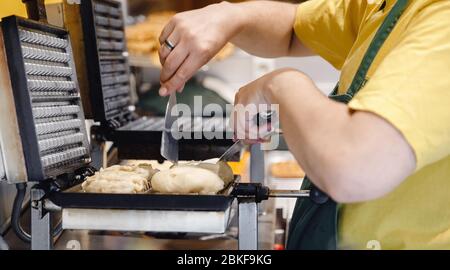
{"points": [[411, 87], [329, 27]]}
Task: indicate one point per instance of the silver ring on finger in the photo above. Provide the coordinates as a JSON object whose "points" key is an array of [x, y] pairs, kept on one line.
{"points": [[169, 44]]}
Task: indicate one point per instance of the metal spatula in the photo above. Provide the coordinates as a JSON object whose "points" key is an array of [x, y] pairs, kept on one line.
{"points": [[169, 145]]}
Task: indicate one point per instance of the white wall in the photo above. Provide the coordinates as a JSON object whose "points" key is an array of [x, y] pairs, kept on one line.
{"points": [[322, 73], [242, 68]]}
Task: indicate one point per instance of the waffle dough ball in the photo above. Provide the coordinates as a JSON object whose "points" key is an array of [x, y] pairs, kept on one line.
{"points": [[221, 168], [187, 179], [105, 186], [120, 179]]}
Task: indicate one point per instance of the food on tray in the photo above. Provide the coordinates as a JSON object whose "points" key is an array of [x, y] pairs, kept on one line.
{"points": [[207, 177], [287, 169], [221, 168], [154, 163], [187, 179], [143, 37], [195, 177], [120, 179]]}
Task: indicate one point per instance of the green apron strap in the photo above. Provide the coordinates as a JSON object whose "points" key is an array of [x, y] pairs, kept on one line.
{"points": [[380, 37], [313, 225]]}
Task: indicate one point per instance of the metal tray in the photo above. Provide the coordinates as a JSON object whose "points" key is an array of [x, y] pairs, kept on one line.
{"points": [[76, 198], [147, 220]]}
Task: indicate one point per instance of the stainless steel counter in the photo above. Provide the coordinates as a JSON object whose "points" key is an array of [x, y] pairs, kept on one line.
{"points": [[7, 193], [95, 240], [2, 168]]}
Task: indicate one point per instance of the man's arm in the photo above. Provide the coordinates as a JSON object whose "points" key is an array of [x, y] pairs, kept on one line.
{"points": [[262, 28], [267, 30], [352, 156]]}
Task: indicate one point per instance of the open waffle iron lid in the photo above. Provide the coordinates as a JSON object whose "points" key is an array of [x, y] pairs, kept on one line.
{"points": [[108, 70], [45, 90]]}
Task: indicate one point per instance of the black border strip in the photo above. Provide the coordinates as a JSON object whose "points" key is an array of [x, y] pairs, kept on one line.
{"points": [[93, 69], [92, 53]]}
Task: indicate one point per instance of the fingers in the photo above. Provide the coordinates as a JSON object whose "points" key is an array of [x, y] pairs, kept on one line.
{"points": [[179, 90], [173, 62], [167, 30], [164, 50], [244, 128], [246, 110], [183, 73], [255, 141]]}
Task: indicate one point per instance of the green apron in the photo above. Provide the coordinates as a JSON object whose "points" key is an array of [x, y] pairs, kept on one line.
{"points": [[315, 220]]}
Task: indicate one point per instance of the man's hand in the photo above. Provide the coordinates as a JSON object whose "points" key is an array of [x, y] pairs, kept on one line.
{"points": [[262, 28], [250, 102], [197, 36]]}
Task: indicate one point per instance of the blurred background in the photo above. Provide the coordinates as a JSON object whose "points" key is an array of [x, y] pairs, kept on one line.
{"points": [[222, 77]]}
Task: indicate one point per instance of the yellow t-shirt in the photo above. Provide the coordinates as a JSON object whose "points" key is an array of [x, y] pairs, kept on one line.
{"points": [[16, 7], [8, 8], [409, 86]]}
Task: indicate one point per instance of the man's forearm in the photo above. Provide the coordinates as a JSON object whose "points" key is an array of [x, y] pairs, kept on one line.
{"points": [[309, 122], [266, 29], [351, 156]]}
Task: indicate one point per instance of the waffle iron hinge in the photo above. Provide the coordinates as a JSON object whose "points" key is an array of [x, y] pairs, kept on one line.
{"points": [[42, 215], [41, 191], [105, 131], [258, 193], [43, 209]]}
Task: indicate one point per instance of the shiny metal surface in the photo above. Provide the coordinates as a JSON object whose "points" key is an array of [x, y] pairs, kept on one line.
{"points": [[169, 144], [7, 193], [146, 220], [42, 112], [280, 193], [3, 244], [248, 225], [102, 240], [97, 240], [236, 147], [41, 230], [2, 168]]}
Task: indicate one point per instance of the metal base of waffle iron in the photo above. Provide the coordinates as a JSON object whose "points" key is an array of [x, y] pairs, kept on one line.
{"points": [[201, 138], [145, 212], [130, 150], [146, 220]]}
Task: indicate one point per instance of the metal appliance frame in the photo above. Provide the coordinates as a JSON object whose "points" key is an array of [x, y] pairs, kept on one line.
{"points": [[23, 100], [248, 199]]}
